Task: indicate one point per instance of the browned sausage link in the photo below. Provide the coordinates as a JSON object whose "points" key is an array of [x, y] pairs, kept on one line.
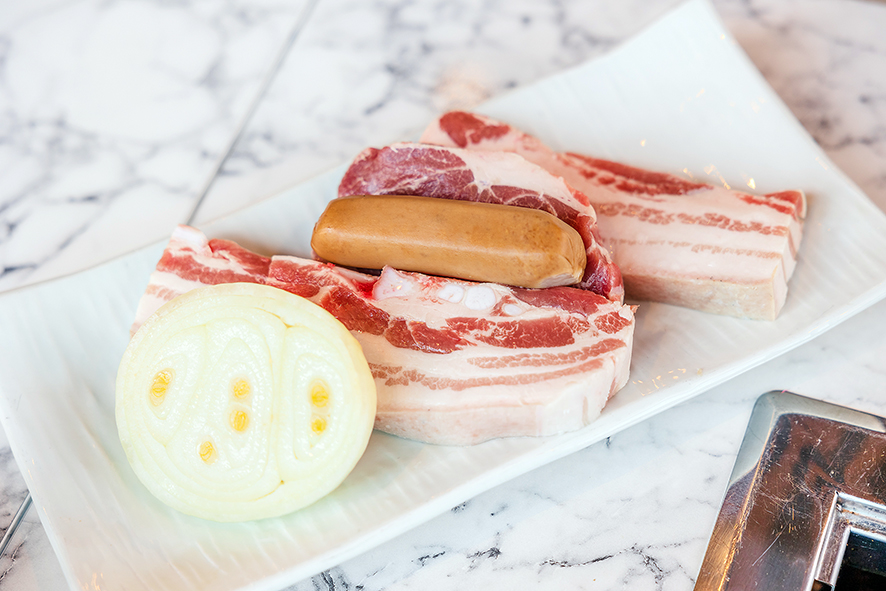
{"points": [[462, 239]]}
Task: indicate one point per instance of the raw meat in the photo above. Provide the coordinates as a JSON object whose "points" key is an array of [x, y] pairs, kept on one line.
{"points": [[455, 362], [675, 240], [451, 173]]}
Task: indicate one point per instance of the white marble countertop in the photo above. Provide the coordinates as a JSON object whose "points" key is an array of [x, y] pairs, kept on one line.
{"points": [[118, 118]]}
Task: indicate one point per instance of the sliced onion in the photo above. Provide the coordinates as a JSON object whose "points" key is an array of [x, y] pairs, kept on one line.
{"points": [[241, 401]]}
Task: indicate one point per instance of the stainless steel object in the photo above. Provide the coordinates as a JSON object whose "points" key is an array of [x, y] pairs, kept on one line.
{"points": [[805, 509], [13, 525]]}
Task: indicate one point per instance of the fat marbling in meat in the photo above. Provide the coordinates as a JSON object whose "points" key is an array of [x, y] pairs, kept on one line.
{"points": [[455, 362], [494, 177], [676, 240]]}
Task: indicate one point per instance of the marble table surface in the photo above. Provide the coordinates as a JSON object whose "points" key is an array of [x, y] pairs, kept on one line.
{"points": [[120, 119]]}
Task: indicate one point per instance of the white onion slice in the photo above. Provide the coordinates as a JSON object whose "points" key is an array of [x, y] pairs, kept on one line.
{"points": [[241, 401]]}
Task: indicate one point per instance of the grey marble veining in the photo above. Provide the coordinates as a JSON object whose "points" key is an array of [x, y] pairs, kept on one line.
{"points": [[455, 56], [113, 118], [834, 84], [371, 73]]}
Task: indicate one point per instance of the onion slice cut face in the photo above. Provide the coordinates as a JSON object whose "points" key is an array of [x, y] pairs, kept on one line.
{"points": [[240, 401]]}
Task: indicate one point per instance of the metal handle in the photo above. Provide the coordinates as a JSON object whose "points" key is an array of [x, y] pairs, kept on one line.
{"points": [[13, 526]]}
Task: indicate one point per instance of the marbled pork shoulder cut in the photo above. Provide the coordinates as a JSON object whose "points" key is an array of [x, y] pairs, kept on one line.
{"points": [[454, 362], [675, 240], [508, 179]]}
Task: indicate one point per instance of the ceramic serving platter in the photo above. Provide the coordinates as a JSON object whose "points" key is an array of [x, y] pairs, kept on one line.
{"points": [[680, 97]]}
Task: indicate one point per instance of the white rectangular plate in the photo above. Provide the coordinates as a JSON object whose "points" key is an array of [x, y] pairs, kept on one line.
{"points": [[680, 97]]}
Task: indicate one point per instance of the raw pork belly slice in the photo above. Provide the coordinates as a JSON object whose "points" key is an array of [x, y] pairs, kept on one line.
{"points": [[676, 241], [451, 173], [455, 362]]}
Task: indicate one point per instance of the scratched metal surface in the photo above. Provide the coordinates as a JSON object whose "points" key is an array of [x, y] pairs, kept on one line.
{"points": [[807, 473]]}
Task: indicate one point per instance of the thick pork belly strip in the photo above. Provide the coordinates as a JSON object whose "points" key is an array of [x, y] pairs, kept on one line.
{"points": [[454, 362], [507, 179], [190, 261], [676, 241], [508, 361]]}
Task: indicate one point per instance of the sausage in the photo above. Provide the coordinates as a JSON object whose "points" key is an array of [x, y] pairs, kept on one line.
{"points": [[481, 242]]}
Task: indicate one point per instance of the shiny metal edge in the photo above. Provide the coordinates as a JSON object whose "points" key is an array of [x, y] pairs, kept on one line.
{"points": [[792, 544], [772, 405], [13, 525]]}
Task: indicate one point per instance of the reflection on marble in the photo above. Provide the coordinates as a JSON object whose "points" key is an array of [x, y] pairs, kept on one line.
{"points": [[113, 118]]}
